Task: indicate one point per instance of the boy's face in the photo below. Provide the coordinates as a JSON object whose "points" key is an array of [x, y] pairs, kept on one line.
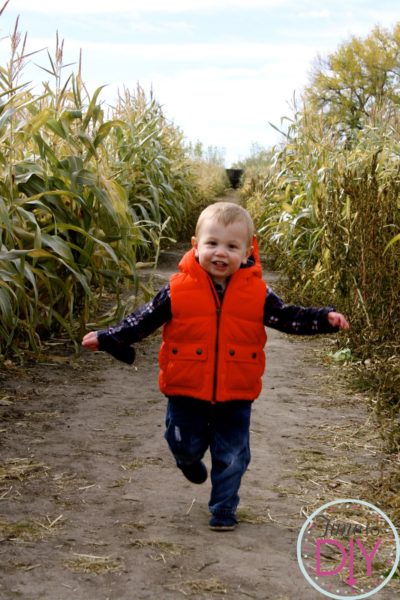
{"points": [[221, 249]]}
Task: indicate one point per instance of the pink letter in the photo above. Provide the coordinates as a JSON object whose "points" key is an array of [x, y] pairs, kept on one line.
{"points": [[368, 557], [318, 556], [350, 579]]}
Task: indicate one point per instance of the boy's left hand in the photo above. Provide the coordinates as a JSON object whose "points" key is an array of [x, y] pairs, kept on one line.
{"points": [[338, 320]]}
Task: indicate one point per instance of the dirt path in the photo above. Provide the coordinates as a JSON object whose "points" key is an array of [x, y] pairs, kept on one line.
{"points": [[93, 508]]}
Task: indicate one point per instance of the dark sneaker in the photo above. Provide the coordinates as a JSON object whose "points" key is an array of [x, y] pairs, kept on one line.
{"points": [[222, 523], [196, 472]]}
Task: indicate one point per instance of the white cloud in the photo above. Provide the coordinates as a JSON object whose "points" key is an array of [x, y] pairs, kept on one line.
{"points": [[140, 6], [149, 27], [315, 14], [229, 108], [184, 53]]}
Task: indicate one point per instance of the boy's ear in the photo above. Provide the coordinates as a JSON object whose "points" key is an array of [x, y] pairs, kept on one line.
{"points": [[249, 252], [194, 244]]}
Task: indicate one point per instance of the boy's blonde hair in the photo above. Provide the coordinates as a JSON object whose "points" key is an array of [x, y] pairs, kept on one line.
{"points": [[226, 213]]}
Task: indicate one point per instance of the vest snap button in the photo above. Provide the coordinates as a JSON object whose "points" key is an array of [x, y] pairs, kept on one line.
{"points": [[199, 351], [254, 355], [174, 350], [232, 352]]}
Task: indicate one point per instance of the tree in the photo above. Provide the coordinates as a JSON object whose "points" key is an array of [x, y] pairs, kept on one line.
{"points": [[361, 76]]}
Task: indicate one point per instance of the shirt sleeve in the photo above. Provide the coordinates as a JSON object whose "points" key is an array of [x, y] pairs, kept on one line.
{"points": [[296, 319], [139, 324]]}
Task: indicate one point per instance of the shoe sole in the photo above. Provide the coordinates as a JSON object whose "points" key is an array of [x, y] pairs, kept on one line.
{"points": [[222, 527]]}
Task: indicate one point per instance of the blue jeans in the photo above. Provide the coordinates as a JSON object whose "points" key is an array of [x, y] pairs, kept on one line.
{"points": [[193, 425]]}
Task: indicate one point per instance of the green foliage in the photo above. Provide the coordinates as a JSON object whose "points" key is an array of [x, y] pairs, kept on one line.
{"points": [[258, 158], [148, 158], [330, 214], [208, 176], [208, 171], [211, 155], [327, 204], [361, 76], [83, 197], [256, 168]]}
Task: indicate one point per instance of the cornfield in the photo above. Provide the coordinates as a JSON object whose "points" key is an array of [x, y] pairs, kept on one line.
{"points": [[330, 216], [87, 196]]}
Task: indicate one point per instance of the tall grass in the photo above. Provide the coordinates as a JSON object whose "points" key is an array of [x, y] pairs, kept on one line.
{"points": [[209, 177], [330, 213], [207, 167], [85, 195], [147, 156]]}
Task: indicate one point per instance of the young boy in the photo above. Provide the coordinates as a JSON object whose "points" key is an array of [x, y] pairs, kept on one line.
{"points": [[214, 313]]}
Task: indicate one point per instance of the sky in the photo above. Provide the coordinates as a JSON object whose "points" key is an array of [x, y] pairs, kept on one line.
{"points": [[223, 70]]}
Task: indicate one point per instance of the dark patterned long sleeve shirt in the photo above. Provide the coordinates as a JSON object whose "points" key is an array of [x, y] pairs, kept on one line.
{"points": [[152, 315]]}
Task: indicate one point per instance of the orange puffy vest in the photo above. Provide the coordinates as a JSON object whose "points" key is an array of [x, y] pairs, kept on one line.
{"points": [[213, 351]]}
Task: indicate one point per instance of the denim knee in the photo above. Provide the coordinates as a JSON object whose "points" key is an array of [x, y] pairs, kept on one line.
{"points": [[187, 446]]}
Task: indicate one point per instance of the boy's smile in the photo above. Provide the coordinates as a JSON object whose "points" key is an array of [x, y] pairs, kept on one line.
{"points": [[221, 249]]}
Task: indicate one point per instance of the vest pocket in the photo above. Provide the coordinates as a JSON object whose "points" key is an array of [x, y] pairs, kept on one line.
{"points": [[245, 365], [186, 365]]}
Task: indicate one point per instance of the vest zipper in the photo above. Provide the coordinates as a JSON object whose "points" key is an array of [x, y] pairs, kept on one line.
{"points": [[218, 305], [216, 358]]}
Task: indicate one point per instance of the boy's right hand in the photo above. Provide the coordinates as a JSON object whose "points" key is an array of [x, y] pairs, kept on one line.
{"points": [[90, 341]]}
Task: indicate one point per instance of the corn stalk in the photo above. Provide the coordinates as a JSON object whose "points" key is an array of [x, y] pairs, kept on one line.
{"points": [[83, 197]]}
